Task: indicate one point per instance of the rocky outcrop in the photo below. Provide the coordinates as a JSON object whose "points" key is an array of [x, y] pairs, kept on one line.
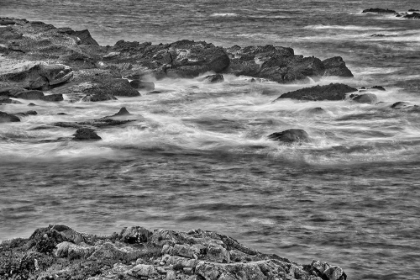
{"points": [[5, 117], [412, 16], [379, 11], [290, 136], [404, 105], [86, 134], [319, 93], [335, 66], [137, 253]]}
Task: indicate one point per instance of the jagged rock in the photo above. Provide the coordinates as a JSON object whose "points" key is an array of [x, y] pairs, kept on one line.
{"points": [[379, 11], [33, 75], [83, 134], [319, 93], [290, 136], [107, 89], [5, 117], [53, 97], [364, 98], [335, 66], [214, 78], [122, 112]]}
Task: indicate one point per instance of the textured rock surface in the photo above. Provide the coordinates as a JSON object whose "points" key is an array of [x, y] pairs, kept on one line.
{"points": [[290, 136], [85, 134], [59, 252], [319, 93], [5, 117]]}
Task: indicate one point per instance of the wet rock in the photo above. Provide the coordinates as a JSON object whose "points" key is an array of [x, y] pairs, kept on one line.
{"points": [[319, 93], [137, 84], [290, 136], [32, 75], [214, 78], [32, 104], [335, 66], [122, 112], [30, 95], [27, 113], [379, 88], [142, 270], [404, 105], [53, 97], [7, 100], [413, 10], [412, 16], [314, 111], [10, 91], [83, 134], [379, 11], [135, 235], [5, 117], [105, 122], [97, 96], [364, 98], [107, 89]]}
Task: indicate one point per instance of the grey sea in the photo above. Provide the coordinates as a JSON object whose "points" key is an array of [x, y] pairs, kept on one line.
{"points": [[200, 157]]}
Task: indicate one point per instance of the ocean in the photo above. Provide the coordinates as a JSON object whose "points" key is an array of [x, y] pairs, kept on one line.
{"points": [[199, 156]]}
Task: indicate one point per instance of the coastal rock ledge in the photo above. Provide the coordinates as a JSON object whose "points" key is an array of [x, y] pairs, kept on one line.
{"points": [[59, 252]]}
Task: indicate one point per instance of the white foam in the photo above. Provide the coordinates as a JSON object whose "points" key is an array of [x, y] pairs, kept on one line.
{"points": [[224, 15]]}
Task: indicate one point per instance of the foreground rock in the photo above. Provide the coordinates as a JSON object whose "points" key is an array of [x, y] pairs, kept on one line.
{"points": [[319, 93], [364, 98], [5, 117], [86, 134], [379, 11], [59, 252], [290, 136]]}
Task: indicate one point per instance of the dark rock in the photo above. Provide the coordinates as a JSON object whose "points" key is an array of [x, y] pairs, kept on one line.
{"points": [[10, 91], [98, 96], [290, 136], [379, 88], [5, 117], [5, 22], [83, 36], [412, 16], [315, 111], [83, 134], [319, 93], [214, 78], [7, 100], [122, 112], [53, 97], [32, 104], [104, 122], [414, 10], [364, 98], [107, 89], [28, 113], [30, 95], [379, 11], [403, 105], [335, 66]]}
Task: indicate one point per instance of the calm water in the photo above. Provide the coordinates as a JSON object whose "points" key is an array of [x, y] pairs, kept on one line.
{"points": [[197, 155]]}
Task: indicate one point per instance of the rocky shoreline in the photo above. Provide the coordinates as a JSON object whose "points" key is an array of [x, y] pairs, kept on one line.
{"points": [[59, 252]]}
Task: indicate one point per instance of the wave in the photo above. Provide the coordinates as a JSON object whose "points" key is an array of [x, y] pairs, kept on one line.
{"points": [[224, 15], [344, 27]]}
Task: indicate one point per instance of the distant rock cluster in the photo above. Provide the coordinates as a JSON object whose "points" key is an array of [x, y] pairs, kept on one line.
{"points": [[411, 14]]}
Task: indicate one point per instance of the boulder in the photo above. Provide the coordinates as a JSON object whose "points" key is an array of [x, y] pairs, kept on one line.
{"points": [[122, 112], [404, 105], [364, 98], [30, 95], [5, 117], [379, 88], [27, 113], [85, 134], [214, 78], [290, 136], [138, 84], [379, 11], [319, 93], [7, 100], [335, 66], [33, 75]]}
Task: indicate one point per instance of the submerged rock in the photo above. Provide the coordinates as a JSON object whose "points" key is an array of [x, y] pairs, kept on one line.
{"points": [[379, 88], [404, 105], [319, 93], [27, 113], [5, 117], [364, 98], [83, 134], [379, 11], [137, 253], [290, 136]]}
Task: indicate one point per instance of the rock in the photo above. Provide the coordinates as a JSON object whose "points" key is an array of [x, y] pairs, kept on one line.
{"points": [[379, 11], [107, 89], [364, 98], [413, 10], [133, 235], [7, 100], [214, 78], [142, 270], [27, 113], [335, 66], [104, 122], [290, 136], [379, 88], [32, 104], [319, 93], [83, 134], [97, 96], [122, 112], [37, 75], [412, 16], [404, 105], [10, 91], [53, 97], [314, 111], [5, 117], [30, 95]]}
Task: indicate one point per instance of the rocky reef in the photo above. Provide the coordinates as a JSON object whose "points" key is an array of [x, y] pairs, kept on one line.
{"points": [[59, 252]]}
